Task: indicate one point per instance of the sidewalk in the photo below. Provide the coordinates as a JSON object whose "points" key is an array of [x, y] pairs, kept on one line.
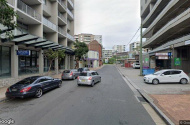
{"points": [[172, 99]]}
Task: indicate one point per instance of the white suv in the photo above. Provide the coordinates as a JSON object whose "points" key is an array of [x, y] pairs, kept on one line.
{"points": [[136, 65]]}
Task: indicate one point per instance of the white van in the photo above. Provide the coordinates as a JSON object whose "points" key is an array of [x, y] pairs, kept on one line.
{"points": [[136, 65]]}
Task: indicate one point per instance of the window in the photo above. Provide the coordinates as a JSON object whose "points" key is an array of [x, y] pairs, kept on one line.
{"points": [[44, 2], [167, 73], [42, 80], [93, 73], [5, 61], [175, 72], [96, 73]]}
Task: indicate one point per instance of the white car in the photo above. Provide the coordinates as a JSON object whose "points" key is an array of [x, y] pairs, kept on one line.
{"points": [[136, 65], [167, 76]]}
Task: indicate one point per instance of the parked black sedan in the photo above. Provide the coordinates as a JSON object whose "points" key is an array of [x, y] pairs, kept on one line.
{"points": [[32, 86]]}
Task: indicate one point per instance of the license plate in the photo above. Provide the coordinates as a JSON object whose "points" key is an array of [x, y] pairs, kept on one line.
{"points": [[14, 90], [83, 80]]}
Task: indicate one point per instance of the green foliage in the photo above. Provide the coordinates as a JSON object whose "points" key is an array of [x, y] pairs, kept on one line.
{"points": [[61, 54], [80, 49], [111, 60], [7, 15]]}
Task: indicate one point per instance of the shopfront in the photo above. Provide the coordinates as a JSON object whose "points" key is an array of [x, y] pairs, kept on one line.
{"points": [[28, 62], [5, 62]]}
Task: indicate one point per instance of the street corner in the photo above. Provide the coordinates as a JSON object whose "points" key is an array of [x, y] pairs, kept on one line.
{"points": [[175, 106]]}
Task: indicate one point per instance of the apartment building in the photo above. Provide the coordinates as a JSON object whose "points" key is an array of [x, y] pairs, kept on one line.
{"points": [[134, 46], [42, 24], [167, 24], [87, 38], [106, 54], [118, 48]]}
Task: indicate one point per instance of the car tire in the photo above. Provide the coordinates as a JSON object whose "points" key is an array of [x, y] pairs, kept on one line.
{"points": [[92, 84], [155, 81], [183, 81], [79, 84], [60, 84], [38, 93]]}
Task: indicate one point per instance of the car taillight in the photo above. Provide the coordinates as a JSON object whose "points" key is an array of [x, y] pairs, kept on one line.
{"points": [[71, 73], [78, 77], [62, 74], [25, 89], [7, 90], [90, 78]]}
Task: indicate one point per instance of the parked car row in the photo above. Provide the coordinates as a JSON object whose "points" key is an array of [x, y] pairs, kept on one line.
{"points": [[37, 85]]}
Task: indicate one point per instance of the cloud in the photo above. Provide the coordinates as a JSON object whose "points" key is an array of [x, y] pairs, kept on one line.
{"points": [[116, 20]]}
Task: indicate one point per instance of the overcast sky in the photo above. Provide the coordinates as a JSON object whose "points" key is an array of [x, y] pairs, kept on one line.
{"points": [[116, 20]]}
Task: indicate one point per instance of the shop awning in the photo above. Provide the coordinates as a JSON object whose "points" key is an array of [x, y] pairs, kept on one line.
{"points": [[22, 37]]}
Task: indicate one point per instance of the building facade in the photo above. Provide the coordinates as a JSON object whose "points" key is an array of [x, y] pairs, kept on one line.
{"points": [[96, 46], [167, 33], [134, 46], [92, 60], [106, 54], [42, 24], [119, 48], [87, 38]]}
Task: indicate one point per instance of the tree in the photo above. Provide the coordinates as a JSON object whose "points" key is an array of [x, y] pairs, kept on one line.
{"points": [[51, 56], [7, 15], [61, 55], [111, 60], [80, 50]]}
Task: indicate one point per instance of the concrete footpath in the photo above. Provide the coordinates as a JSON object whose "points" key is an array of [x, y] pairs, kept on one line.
{"points": [[172, 99], [4, 89]]}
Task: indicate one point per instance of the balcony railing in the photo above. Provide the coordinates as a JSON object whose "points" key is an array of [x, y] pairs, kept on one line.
{"points": [[69, 12], [12, 2], [49, 24], [70, 37], [62, 17], [60, 30], [62, 3], [25, 8], [71, 3]]}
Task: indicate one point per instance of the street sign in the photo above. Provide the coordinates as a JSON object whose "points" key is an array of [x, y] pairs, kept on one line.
{"points": [[23, 52], [177, 62]]}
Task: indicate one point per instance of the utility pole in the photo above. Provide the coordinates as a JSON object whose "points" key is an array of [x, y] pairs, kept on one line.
{"points": [[141, 62]]}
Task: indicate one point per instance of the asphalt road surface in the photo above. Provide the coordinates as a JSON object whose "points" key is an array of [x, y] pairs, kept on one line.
{"points": [[110, 102]]}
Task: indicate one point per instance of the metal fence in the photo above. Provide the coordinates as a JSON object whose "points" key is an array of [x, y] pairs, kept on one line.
{"points": [[62, 3], [70, 37], [62, 17], [69, 12], [60, 30], [25, 8]]}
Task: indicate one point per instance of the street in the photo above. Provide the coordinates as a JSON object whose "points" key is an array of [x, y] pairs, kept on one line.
{"points": [[110, 102]]}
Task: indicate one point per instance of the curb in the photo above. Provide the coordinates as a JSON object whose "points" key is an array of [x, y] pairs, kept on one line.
{"points": [[149, 100]]}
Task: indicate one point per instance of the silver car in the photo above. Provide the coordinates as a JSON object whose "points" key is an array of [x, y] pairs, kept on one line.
{"points": [[88, 78], [70, 74]]}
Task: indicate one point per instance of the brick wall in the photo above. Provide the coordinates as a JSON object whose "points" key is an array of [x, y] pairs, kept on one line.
{"points": [[95, 46]]}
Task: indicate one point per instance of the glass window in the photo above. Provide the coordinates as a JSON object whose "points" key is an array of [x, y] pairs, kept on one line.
{"points": [[5, 61], [175, 72], [167, 73], [93, 73], [42, 80], [28, 64]]}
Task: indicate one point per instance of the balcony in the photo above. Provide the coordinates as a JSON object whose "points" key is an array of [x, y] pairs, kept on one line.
{"points": [[49, 24], [61, 31], [71, 4], [28, 10], [11, 2], [70, 37], [62, 4], [62, 18], [71, 16]]}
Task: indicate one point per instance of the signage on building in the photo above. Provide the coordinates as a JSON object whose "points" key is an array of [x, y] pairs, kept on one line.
{"points": [[161, 54], [177, 62], [23, 52], [187, 42]]}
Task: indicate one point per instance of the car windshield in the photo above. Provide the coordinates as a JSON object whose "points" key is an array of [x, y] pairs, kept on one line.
{"points": [[84, 74], [66, 71], [27, 80], [157, 73]]}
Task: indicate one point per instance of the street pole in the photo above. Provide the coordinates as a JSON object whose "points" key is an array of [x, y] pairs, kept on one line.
{"points": [[141, 62]]}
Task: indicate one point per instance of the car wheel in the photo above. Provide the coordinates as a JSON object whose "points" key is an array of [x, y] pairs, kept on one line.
{"points": [[183, 81], [39, 93], [79, 84], [60, 84], [92, 84], [155, 81]]}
